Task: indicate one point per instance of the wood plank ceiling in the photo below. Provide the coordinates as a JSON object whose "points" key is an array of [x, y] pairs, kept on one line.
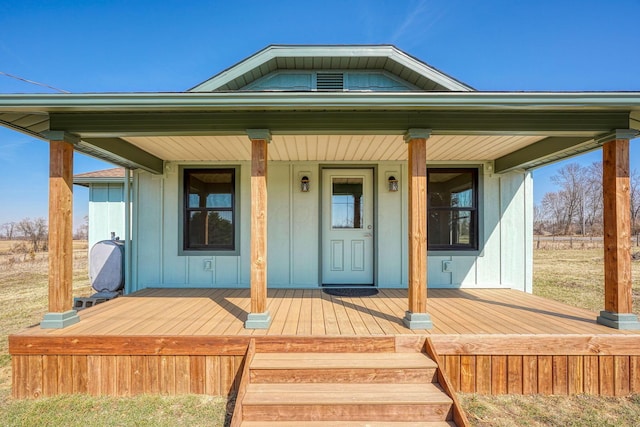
{"points": [[348, 148]]}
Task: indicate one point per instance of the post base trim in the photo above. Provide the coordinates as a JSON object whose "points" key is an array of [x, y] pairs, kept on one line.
{"points": [[59, 320], [626, 321], [417, 320], [258, 320]]}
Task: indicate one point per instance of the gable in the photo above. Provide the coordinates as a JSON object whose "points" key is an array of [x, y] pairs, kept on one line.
{"points": [[302, 68]]}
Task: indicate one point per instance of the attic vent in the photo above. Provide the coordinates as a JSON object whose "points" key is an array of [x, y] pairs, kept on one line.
{"points": [[330, 81]]}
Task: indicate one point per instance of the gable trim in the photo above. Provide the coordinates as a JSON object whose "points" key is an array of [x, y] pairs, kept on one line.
{"points": [[262, 63]]}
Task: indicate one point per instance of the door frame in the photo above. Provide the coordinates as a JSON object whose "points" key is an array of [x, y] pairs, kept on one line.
{"points": [[374, 169]]}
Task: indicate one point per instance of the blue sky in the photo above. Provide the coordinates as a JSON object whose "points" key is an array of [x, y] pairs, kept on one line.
{"points": [[125, 46]]}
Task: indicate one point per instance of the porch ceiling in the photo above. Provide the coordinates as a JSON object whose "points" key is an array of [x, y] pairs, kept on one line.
{"points": [[349, 148]]}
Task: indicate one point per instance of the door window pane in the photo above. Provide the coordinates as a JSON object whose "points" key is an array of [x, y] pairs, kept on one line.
{"points": [[347, 207]]}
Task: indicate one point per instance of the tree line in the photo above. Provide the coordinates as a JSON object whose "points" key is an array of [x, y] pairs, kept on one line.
{"points": [[576, 208], [35, 232]]}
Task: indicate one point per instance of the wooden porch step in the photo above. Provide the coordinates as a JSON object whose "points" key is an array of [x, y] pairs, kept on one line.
{"points": [[348, 424], [401, 368], [346, 402]]}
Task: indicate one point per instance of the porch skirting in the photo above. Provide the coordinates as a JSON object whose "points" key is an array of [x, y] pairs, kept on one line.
{"points": [[193, 341], [212, 366]]}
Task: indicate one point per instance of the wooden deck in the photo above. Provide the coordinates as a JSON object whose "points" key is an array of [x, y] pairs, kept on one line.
{"points": [[193, 340], [187, 312]]}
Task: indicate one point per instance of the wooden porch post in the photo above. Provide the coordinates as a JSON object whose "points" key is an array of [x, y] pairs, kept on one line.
{"points": [[416, 317], [259, 317], [618, 309], [60, 313]]}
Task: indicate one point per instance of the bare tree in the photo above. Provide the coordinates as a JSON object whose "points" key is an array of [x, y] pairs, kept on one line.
{"points": [[578, 205], [571, 179], [538, 219], [82, 232], [553, 208], [594, 197], [9, 230], [634, 187], [35, 231]]}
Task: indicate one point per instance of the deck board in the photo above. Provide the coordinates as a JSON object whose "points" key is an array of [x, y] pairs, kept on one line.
{"points": [[309, 312]]}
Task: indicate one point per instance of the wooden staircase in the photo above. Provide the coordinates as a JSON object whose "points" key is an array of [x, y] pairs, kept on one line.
{"points": [[342, 389]]}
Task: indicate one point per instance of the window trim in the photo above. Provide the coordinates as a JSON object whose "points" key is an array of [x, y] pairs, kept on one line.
{"points": [[474, 246], [183, 209]]}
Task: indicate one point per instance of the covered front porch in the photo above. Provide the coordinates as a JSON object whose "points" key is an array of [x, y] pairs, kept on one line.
{"points": [[171, 341], [301, 112]]}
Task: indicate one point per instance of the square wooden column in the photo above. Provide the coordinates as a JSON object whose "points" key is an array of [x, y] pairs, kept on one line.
{"points": [[618, 308], [60, 313], [259, 317], [416, 317]]}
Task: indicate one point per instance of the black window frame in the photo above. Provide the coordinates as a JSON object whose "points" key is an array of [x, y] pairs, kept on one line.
{"points": [[474, 230], [186, 210]]}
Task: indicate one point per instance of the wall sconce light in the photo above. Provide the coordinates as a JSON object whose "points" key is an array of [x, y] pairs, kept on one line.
{"points": [[304, 184], [393, 183]]}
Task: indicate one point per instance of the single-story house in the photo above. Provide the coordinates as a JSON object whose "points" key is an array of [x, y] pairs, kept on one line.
{"points": [[306, 167]]}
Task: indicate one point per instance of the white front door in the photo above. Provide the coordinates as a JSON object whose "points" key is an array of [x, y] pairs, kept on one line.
{"points": [[347, 226]]}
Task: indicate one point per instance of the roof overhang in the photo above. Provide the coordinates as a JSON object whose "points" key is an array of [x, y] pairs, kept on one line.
{"points": [[105, 176], [107, 124], [225, 101], [86, 182]]}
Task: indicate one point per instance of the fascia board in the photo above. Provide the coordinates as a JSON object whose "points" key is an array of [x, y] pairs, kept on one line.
{"points": [[504, 101], [235, 71], [429, 72], [104, 180]]}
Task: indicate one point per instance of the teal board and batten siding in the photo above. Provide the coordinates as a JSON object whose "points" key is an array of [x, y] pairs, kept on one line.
{"points": [[294, 233], [374, 81], [106, 211]]}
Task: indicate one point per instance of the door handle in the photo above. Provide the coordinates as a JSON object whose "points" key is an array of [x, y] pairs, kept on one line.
{"points": [[369, 227]]}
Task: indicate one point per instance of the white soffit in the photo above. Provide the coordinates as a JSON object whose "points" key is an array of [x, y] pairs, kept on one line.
{"points": [[347, 148]]}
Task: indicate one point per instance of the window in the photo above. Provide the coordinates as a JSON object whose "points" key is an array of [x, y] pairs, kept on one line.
{"points": [[209, 209], [452, 205], [346, 203]]}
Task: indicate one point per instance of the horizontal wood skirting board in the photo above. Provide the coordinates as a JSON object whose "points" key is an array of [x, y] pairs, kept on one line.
{"points": [[191, 345], [523, 345], [487, 344]]}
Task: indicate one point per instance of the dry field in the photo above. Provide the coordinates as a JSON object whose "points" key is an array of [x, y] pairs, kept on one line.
{"points": [[573, 276], [576, 276]]}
